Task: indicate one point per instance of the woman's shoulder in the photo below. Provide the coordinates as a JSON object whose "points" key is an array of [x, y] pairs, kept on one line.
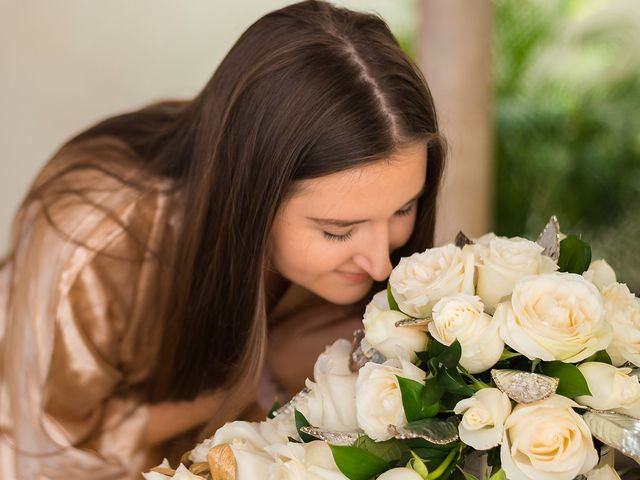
{"points": [[96, 189]]}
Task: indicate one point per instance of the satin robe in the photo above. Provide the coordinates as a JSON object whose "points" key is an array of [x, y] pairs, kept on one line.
{"points": [[78, 330]]}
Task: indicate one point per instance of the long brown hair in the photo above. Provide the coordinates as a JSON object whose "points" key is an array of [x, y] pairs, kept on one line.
{"points": [[306, 91]]}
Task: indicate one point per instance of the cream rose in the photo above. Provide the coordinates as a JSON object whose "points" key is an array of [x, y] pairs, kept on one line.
{"points": [[623, 313], [400, 473], [378, 397], [611, 388], [420, 280], [606, 472], [462, 317], [296, 461], [502, 261], [248, 446], [546, 439], [554, 316], [331, 403], [600, 274], [483, 418], [382, 334]]}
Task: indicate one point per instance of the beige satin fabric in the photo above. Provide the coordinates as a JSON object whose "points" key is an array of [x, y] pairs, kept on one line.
{"points": [[78, 332]]}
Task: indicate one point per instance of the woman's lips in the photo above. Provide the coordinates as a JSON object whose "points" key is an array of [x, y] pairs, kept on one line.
{"points": [[354, 277]]}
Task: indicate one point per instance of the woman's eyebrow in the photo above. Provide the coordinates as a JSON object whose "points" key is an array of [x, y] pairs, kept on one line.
{"points": [[347, 223]]}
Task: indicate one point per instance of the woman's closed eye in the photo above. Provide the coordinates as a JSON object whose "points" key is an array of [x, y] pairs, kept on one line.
{"points": [[346, 236]]}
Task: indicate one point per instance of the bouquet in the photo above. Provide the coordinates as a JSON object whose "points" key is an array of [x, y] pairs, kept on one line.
{"points": [[489, 358]]}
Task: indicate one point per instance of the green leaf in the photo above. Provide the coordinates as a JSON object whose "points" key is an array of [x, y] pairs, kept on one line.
{"points": [[467, 476], [276, 405], [443, 356], [301, 421], [493, 459], [572, 382], [602, 356], [418, 465], [507, 354], [416, 402], [393, 305], [451, 381], [575, 255], [356, 463], [389, 450], [499, 475]]}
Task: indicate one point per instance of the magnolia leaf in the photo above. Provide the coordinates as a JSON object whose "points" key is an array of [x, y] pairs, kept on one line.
{"points": [[572, 382], [524, 387], [356, 463], [389, 450], [549, 239], [335, 438], [616, 430], [433, 430]]}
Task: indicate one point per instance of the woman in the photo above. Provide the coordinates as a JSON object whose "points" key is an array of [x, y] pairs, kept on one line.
{"points": [[162, 255]]}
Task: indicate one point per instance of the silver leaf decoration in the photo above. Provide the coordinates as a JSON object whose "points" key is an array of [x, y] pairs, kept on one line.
{"points": [[434, 430], [334, 438], [524, 387], [616, 430], [549, 239], [462, 240], [413, 322], [288, 408], [358, 357]]}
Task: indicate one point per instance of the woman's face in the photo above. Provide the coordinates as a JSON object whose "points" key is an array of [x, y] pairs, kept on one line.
{"points": [[334, 236]]}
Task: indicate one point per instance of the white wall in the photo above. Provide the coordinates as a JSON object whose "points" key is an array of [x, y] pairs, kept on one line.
{"points": [[68, 63]]}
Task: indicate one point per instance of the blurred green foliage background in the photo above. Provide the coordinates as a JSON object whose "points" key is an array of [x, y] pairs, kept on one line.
{"points": [[567, 123]]}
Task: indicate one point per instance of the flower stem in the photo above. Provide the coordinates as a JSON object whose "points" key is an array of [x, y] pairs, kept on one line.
{"points": [[445, 463]]}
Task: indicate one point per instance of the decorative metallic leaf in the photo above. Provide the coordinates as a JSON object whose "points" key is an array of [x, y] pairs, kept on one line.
{"points": [[524, 387], [462, 240], [549, 239], [358, 357], [288, 408], [334, 438], [616, 430], [222, 462], [434, 430], [413, 322]]}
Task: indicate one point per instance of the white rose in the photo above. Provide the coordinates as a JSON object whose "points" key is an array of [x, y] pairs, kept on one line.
{"points": [[248, 446], [600, 274], [623, 313], [378, 397], [297, 461], [382, 334], [546, 439], [611, 388], [603, 473], [400, 474], [483, 418], [462, 317], [331, 404], [502, 262], [420, 280], [554, 316]]}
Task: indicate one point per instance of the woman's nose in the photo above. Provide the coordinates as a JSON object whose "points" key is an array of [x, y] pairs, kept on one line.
{"points": [[375, 255]]}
